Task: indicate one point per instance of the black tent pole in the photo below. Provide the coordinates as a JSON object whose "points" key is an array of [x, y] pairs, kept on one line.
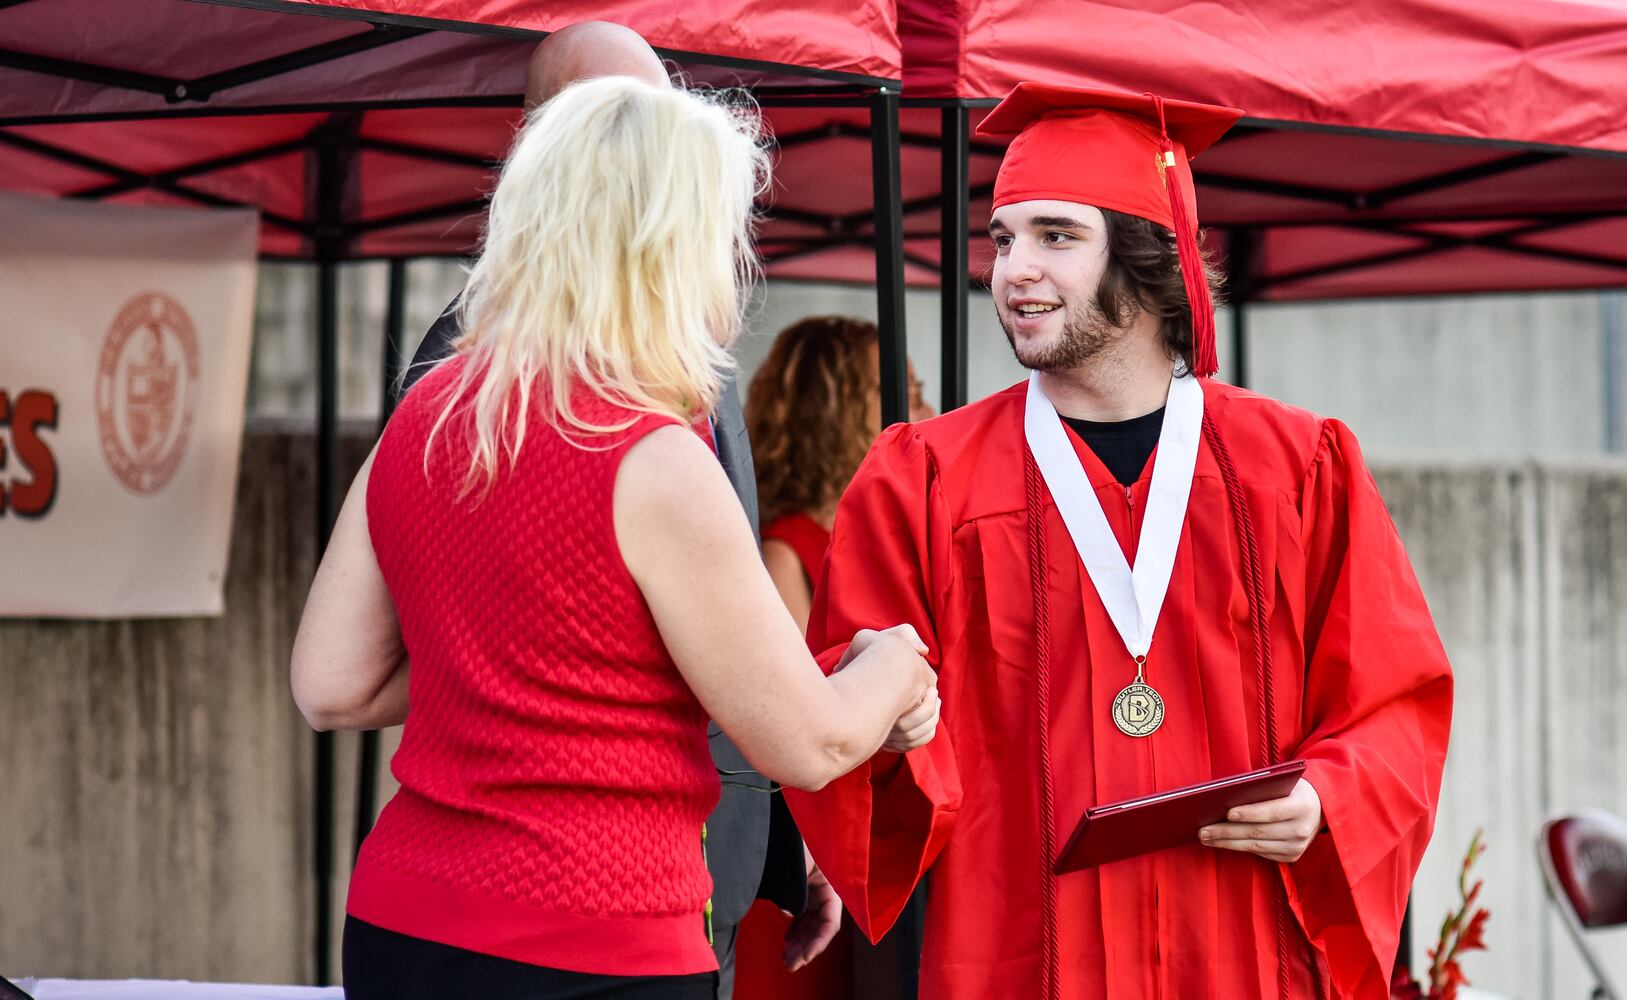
{"points": [[1240, 341], [395, 321], [886, 193], [956, 195], [327, 421], [1403, 948], [889, 226], [333, 161], [367, 758], [1240, 250]]}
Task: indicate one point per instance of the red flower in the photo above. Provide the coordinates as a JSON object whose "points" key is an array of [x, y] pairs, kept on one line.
{"points": [[1464, 929], [1473, 937]]}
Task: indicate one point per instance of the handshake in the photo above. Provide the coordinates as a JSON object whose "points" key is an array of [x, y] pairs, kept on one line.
{"points": [[902, 651]]}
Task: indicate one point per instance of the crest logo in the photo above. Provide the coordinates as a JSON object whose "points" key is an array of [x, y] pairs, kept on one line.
{"points": [[146, 391]]}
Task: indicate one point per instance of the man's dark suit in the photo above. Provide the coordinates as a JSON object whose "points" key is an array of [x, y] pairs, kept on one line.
{"points": [[752, 847]]}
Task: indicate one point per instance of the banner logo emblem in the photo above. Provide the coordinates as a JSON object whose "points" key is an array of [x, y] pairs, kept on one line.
{"points": [[146, 391]]}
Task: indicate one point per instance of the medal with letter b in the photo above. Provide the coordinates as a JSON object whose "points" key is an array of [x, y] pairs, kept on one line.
{"points": [[1138, 710], [1132, 597]]}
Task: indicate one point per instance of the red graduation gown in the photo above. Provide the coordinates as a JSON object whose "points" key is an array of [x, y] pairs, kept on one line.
{"points": [[935, 531]]}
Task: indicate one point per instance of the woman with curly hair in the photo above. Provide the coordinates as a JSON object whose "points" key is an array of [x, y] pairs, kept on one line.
{"points": [[812, 411]]}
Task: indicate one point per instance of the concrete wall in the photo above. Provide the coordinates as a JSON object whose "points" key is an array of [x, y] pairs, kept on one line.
{"points": [[1504, 377], [156, 817], [1496, 377], [1525, 568]]}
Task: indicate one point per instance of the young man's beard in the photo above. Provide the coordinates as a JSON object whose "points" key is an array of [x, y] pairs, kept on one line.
{"points": [[1083, 338]]}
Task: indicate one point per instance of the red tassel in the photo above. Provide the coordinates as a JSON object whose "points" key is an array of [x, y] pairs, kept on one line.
{"points": [[1204, 361]]}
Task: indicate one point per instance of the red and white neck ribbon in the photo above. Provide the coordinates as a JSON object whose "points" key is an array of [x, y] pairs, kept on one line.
{"points": [[1133, 597]]}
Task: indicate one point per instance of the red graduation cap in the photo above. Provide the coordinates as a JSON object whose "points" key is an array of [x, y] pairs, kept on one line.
{"points": [[1115, 150]]}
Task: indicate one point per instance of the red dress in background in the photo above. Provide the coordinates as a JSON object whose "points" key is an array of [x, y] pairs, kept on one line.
{"points": [[807, 538], [759, 973]]}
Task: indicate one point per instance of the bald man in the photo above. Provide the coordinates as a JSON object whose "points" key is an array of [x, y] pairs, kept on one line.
{"points": [[588, 49], [752, 845]]}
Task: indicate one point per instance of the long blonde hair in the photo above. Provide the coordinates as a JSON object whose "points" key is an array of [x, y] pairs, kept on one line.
{"points": [[617, 255]]}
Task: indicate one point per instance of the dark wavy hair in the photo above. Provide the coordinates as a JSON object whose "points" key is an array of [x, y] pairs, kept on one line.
{"points": [[811, 412], [1144, 272]]}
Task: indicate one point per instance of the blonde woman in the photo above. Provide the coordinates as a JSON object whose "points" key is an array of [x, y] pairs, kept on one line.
{"points": [[545, 533]]}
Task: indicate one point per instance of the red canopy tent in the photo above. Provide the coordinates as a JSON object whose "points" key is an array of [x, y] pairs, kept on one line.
{"points": [[106, 108], [1393, 147]]}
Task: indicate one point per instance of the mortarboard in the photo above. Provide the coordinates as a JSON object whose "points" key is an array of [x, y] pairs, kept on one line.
{"points": [[1117, 151]]}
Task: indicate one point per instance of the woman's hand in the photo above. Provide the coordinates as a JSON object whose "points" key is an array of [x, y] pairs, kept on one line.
{"points": [[864, 638], [1277, 830], [915, 727]]}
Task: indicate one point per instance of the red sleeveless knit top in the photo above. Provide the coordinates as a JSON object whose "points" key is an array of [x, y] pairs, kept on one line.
{"points": [[554, 769]]}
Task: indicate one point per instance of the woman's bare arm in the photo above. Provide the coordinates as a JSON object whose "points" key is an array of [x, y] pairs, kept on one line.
{"points": [[349, 668], [688, 546]]}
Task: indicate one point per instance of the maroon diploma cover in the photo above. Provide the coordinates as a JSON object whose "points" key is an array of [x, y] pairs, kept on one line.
{"points": [[1169, 819]]}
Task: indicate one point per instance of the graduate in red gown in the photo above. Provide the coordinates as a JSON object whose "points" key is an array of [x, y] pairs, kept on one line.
{"points": [[1131, 578]]}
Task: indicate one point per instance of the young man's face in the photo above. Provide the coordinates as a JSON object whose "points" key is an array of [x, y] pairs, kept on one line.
{"points": [[1049, 260]]}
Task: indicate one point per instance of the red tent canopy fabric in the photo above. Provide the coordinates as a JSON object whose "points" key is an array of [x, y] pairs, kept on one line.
{"points": [[1530, 71], [858, 38], [1296, 213], [179, 102], [1392, 147], [1401, 147], [66, 59]]}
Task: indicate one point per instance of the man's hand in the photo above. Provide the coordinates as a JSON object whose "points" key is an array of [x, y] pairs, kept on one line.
{"points": [[812, 929], [916, 727], [1278, 830]]}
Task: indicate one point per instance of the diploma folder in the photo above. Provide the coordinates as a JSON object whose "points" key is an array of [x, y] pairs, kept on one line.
{"points": [[1156, 822]]}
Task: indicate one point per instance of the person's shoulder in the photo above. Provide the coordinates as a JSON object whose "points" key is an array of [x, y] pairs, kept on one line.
{"points": [[965, 423], [667, 478], [950, 437], [973, 454], [1268, 436], [663, 453]]}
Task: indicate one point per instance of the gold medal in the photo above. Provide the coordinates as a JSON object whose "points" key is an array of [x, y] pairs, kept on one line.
{"points": [[1138, 710]]}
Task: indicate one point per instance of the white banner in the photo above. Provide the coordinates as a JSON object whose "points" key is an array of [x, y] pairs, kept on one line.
{"points": [[124, 353]]}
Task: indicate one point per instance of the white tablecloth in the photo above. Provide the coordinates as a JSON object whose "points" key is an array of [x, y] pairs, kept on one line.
{"points": [[158, 989]]}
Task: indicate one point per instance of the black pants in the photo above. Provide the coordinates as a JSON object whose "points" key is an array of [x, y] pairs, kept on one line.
{"points": [[384, 965]]}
